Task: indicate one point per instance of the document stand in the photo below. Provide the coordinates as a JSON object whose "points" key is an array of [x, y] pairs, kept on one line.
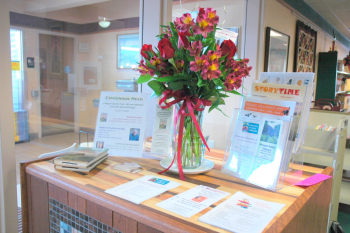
{"points": [[278, 171], [327, 148]]}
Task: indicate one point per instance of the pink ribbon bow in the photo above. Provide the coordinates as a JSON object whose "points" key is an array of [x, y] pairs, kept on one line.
{"points": [[192, 103]]}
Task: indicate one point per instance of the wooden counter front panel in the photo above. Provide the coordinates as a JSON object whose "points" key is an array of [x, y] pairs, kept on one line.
{"points": [[39, 205]]}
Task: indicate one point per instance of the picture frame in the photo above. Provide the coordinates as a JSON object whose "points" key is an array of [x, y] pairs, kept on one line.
{"points": [[128, 51], [276, 51], [90, 75], [305, 48]]}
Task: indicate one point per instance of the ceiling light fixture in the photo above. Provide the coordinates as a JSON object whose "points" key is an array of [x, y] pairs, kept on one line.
{"points": [[104, 23]]}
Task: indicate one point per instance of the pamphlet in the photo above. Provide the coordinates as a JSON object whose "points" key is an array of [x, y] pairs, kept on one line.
{"points": [[242, 214], [299, 79], [193, 200], [260, 139], [142, 189], [161, 138], [122, 123]]}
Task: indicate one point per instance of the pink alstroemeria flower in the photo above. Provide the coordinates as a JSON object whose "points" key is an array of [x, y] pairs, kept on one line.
{"points": [[195, 48], [203, 26], [212, 71], [155, 61], [199, 64], [232, 82], [200, 13], [179, 64], [184, 23], [211, 14], [214, 56], [143, 69]]}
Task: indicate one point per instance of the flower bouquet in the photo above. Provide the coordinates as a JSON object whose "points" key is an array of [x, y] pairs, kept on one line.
{"points": [[191, 71]]}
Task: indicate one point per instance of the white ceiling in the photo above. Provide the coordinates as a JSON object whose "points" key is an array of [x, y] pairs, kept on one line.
{"points": [[77, 11], [336, 12]]}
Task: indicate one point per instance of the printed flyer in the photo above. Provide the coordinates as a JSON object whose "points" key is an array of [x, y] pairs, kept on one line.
{"points": [[161, 138], [242, 213], [259, 140], [278, 91], [121, 123], [193, 200], [142, 189]]}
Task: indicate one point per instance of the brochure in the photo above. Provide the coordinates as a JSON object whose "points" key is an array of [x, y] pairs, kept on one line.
{"points": [[142, 189], [299, 79], [259, 141], [278, 91], [242, 214], [193, 200], [161, 138], [121, 123]]}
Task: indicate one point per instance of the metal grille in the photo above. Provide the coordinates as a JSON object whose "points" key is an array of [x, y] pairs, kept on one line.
{"points": [[64, 219]]}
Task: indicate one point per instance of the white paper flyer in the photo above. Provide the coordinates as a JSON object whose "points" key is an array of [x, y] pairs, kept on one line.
{"points": [[242, 214], [122, 123], [142, 189], [161, 138], [193, 200], [278, 91]]}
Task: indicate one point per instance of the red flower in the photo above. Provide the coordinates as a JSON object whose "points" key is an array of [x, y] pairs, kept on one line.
{"points": [[184, 23], [211, 14], [147, 49], [229, 48], [204, 26], [183, 41], [166, 49], [143, 69], [232, 82], [200, 63], [212, 71], [195, 48]]}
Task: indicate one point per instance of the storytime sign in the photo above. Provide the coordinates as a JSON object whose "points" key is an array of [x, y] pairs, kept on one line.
{"points": [[278, 91]]}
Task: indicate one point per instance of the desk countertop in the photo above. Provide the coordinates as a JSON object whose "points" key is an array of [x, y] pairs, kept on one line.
{"points": [[91, 186]]}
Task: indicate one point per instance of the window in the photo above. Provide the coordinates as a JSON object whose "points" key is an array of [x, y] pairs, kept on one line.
{"points": [[128, 51]]}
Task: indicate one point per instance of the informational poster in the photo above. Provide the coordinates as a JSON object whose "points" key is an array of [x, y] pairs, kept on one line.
{"points": [[278, 91], [193, 200], [142, 189], [122, 123], [161, 138], [242, 213]]}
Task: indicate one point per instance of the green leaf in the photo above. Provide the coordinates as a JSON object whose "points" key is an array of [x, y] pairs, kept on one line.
{"points": [[235, 92], [157, 87], [149, 65], [223, 95], [175, 86], [215, 103], [221, 111], [176, 77], [191, 38], [218, 82], [200, 82], [144, 78]]}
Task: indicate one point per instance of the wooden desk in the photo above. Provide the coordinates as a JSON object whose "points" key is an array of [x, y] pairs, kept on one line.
{"points": [[306, 210]]}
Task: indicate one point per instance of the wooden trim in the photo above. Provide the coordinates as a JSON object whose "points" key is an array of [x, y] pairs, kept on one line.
{"points": [[58, 194], [299, 210], [142, 228], [99, 213], [25, 190], [76, 202], [40, 205], [124, 224]]}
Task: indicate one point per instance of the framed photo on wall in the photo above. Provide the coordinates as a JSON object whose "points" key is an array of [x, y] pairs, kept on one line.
{"points": [[90, 75], [305, 48], [276, 51], [128, 54]]}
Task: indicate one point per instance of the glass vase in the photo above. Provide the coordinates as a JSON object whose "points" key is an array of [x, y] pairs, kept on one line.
{"points": [[193, 148]]}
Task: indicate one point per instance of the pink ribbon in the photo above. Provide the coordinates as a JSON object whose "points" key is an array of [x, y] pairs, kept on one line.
{"points": [[192, 103]]}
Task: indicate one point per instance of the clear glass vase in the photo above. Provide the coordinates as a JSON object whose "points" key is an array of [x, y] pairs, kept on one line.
{"points": [[193, 148]]}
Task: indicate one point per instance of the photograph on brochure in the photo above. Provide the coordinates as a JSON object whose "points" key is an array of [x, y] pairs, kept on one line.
{"points": [[121, 123]]}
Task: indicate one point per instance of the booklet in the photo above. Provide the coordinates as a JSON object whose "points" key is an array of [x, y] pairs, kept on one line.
{"points": [[142, 189], [193, 200], [242, 214]]}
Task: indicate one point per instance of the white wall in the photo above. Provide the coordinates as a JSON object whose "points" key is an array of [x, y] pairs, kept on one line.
{"points": [[8, 193]]}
